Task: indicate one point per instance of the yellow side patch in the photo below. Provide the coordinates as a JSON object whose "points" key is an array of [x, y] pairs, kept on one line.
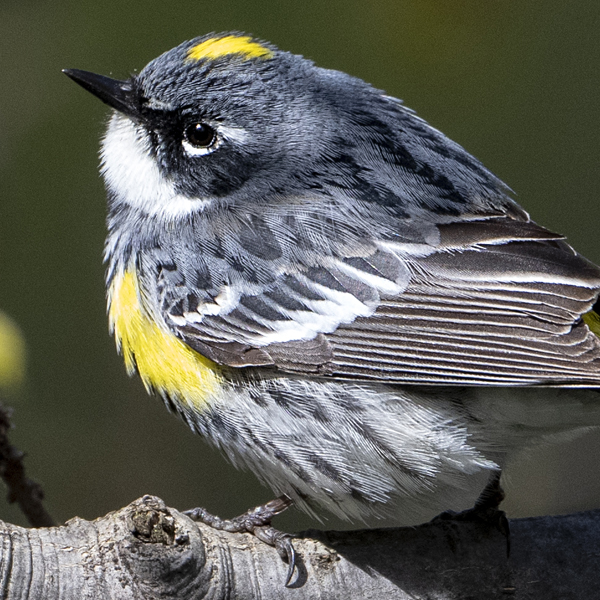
{"points": [[163, 361], [230, 44], [592, 320]]}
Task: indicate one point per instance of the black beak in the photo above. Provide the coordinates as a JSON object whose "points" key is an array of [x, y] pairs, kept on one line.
{"points": [[117, 94]]}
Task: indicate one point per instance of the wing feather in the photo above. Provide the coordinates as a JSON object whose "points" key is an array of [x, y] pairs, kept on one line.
{"points": [[489, 302]]}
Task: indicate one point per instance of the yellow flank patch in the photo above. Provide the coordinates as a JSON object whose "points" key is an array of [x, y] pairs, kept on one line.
{"points": [[163, 361], [230, 44], [592, 320]]}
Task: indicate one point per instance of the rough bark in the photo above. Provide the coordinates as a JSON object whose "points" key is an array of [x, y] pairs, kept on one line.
{"points": [[147, 550]]}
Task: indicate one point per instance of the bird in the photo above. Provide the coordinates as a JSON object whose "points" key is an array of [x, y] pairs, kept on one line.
{"points": [[328, 289]]}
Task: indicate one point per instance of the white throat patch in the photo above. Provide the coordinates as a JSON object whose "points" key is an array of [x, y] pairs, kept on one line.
{"points": [[132, 175]]}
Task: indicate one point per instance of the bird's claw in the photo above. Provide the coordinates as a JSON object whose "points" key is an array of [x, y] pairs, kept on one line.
{"points": [[256, 521], [282, 542]]}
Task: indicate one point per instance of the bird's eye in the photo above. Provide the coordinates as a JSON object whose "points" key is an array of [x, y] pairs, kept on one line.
{"points": [[199, 138], [200, 135]]}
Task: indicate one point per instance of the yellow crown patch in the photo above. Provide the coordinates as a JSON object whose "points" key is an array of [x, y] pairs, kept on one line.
{"points": [[230, 44]]}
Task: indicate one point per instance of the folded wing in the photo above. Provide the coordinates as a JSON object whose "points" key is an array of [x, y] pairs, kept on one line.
{"points": [[492, 302]]}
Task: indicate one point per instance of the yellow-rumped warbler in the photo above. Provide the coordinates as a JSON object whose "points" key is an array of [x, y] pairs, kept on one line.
{"points": [[328, 289]]}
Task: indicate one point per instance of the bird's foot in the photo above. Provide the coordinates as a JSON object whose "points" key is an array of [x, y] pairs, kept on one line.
{"points": [[486, 510], [256, 521]]}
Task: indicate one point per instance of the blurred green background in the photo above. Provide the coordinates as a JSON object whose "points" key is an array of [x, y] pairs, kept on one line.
{"points": [[516, 83]]}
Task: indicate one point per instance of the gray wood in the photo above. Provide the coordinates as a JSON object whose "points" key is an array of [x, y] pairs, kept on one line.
{"points": [[147, 550]]}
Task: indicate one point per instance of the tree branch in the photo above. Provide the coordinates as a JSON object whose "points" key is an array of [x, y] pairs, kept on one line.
{"points": [[26, 493], [147, 550]]}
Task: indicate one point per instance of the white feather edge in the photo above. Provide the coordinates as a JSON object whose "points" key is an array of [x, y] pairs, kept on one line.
{"points": [[320, 316]]}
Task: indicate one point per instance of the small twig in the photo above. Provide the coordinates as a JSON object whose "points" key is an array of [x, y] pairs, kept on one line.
{"points": [[26, 493]]}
